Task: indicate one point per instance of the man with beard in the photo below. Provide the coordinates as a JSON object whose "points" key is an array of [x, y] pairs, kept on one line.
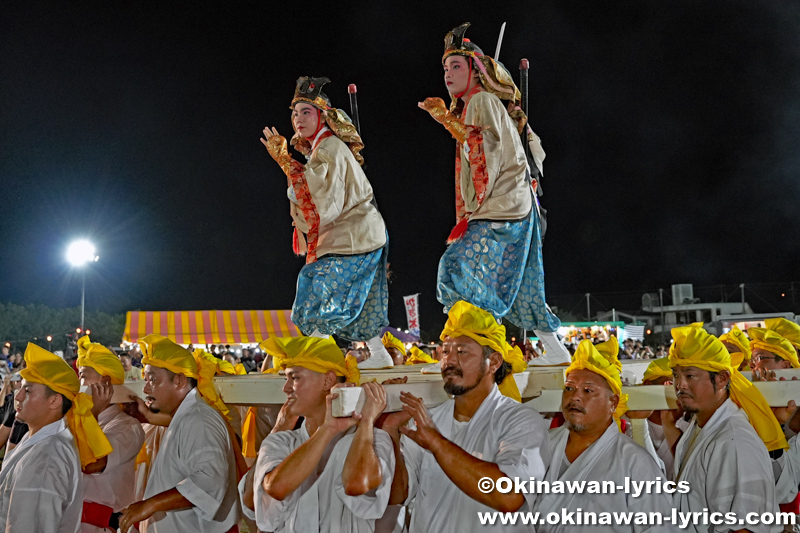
{"points": [[722, 454], [590, 447], [480, 433]]}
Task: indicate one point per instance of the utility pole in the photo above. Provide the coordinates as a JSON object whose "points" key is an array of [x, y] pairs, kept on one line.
{"points": [[661, 306], [741, 286], [588, 308]]}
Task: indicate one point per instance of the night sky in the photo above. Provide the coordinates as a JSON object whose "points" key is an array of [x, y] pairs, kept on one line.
{"points": [[671, 129]]}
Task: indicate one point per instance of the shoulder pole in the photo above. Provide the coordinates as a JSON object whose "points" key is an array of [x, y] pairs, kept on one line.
{"points": [[354, 106]]}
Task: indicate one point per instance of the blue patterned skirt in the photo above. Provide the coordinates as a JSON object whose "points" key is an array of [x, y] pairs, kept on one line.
{"points": [[497, 266], [346, 295]]}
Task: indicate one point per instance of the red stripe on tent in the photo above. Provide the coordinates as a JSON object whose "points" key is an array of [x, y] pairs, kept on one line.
{"points": [[262, 323], [237, 336]]}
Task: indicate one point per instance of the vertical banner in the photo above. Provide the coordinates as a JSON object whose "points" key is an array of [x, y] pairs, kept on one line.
{"points": [[412, 313]]}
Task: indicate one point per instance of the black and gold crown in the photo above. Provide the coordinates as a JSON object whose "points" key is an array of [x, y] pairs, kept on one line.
{"points": [[309, 90], [456, 44], [493, 75]]}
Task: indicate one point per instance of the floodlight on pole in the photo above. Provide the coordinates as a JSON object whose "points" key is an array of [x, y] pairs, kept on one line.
{"points": [[78, 254]]}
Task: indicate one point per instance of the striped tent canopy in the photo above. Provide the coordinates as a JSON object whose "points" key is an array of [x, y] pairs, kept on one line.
{"points": [[210, 327]]}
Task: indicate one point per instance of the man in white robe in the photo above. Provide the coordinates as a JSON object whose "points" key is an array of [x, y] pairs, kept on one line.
{"points": [[589, 447], [41, 486], [192, 480], [723, 454], [109, 482], [480, 433], [332, 474]]}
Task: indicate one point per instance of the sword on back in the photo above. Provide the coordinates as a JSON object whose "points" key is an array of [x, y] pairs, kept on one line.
{"points": [[353, 91]]}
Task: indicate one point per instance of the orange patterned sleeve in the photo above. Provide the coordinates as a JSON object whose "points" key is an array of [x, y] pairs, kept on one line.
{"points": [[477, 162], [306, 206]]}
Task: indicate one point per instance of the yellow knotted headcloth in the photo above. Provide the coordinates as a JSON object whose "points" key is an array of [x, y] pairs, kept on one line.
{"points": [[467, 320], [101, 359], [390, 341], [313, 353], [658, 368], [739, 339], [785, 328], [419, 357], [602, 359], [695, 347], [765, 339], [209, 366], [161, 352], [222, 366], [50, 370]]}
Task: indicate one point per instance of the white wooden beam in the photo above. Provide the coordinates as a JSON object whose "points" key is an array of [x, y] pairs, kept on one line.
{"points": [[541, 385]]}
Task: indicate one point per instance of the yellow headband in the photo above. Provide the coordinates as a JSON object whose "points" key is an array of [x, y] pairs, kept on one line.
{"points": [[786, 329], [418, 357], [467, 320], [695, 347], [313, 353], [602, 360], [739, 339], [390, 341], [49, 369], [161, 352], [765, 339], [659, 368], [101, 359]]}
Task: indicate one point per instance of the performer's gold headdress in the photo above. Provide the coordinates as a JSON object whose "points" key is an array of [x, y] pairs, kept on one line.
{"points": [[493, 75], [309, 91]]}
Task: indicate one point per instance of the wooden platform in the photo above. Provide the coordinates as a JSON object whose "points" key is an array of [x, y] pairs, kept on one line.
{"points": [[539, 386]]}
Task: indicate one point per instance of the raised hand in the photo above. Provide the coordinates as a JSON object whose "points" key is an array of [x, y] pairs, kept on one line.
{"points": [[338, 424], [101, 397], [440, 113], [436, 108], [375, 402], [284, 420], [426, 433]]}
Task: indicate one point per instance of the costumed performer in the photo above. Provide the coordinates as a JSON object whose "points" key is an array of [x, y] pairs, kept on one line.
{"points": [[342, 289], [494, 257]]}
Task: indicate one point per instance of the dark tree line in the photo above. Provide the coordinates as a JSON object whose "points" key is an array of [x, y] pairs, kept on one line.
{"points": [[20, 324]]}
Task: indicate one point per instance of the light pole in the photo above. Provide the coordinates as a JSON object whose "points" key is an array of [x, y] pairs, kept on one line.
{"points": [[78, 254]]}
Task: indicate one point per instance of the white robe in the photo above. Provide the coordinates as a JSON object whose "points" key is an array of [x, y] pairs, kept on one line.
{"points": [[729, 469], [662, 447], [115, 486], [788, 483], [41, 487], [319, 503], [613, 457], [195, 457], [349, 223], [503, 432], [508, 189]]}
